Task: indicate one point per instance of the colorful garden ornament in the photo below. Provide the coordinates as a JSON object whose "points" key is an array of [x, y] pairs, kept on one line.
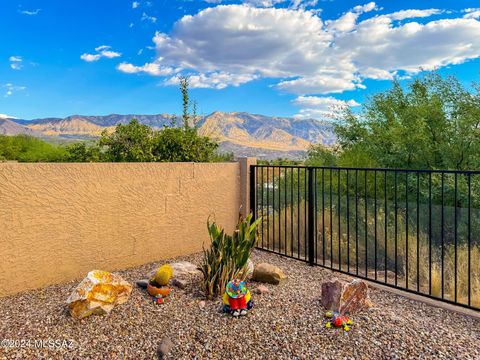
{"points": [[237, 299], [337, 320]]}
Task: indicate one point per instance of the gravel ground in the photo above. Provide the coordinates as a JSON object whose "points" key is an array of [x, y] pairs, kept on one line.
{"points": [[287, 323]]}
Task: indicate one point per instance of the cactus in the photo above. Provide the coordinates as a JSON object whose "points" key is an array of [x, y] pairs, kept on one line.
{"points": [[163, 275]]}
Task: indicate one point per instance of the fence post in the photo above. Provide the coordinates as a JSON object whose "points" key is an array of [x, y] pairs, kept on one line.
{"points": [[253, 187], [311, 218], [245, 181]]}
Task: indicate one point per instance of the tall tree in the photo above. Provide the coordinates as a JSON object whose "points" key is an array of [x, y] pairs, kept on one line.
{"points": [[433, 123]]}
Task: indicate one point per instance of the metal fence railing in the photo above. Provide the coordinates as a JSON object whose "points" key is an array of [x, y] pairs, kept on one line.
{"points": [[416, 230]]}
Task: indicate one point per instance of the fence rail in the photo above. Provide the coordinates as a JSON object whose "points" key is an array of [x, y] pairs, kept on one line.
{"points": [[416, 230]]}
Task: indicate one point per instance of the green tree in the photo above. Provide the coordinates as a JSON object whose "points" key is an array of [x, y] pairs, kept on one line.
{"points": [[82, 152], [319, 155], [133, 142], [432, 124], [24, 148]]}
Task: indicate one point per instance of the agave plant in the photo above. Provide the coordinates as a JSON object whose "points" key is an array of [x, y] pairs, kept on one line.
{"points": [[227, 257]]}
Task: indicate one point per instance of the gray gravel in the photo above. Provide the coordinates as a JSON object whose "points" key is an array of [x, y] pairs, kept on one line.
{"points": [[286, 323]]}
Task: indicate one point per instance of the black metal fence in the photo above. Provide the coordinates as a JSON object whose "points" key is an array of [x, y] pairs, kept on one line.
{"points": [[416, 230]]}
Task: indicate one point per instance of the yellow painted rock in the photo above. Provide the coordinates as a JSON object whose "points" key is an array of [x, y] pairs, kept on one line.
{"points": [[98, 294], [163, 275]]}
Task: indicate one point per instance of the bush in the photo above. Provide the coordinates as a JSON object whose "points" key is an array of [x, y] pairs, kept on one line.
{"points": [[227, 257], [183, 144], [129, 143], [25, 148], [81, 152]]}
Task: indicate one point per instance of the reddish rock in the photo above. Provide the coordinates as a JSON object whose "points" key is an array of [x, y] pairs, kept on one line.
{"points": [[346, 298]]}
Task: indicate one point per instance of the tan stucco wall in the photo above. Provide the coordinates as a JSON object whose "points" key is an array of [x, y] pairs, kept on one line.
{"points": [[58, 221]]}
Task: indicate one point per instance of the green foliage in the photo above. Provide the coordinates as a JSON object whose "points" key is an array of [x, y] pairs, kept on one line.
{"points": [[184, 84], [183, 144], [227, 257], [433, 124], [279, 161], [82, 152], [319, 155], [129, 143], [24, 148]]}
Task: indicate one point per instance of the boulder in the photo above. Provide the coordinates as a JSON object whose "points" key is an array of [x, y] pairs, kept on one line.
{"points": [[184, 269], [180, 283], [98, 293], [268, 273], [344, 297]]}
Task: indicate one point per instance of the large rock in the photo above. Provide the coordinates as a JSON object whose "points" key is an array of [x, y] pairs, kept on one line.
{"points": [[98, 294], [346, 298], [268, 273], [184, 269]]}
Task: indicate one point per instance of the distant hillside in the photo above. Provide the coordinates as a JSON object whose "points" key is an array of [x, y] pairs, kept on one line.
{"points": [[10, 127], [242, 133]]}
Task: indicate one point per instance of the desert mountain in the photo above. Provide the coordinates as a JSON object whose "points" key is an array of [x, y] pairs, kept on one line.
{"points": [[240, 132], [10, 127]]}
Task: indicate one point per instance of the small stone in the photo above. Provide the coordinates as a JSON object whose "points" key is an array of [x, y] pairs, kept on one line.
{"points": [[268, 273], [180, 283], [346, 298], [201, 304], [142, 283], [262, 289], [164, 347]]}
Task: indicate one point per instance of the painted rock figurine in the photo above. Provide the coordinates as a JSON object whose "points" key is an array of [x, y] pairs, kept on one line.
{"points": [[337, 320], [237, 299]]}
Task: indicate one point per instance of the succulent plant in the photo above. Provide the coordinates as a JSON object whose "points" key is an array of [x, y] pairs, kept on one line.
{"points": [[227, 257]]}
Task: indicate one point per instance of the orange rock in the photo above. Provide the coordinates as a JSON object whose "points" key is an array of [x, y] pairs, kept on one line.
{"points": [[98, 293], [346, 298]]}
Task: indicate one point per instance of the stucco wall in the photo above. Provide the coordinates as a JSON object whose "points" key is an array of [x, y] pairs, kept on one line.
{"points": [[58, 221]]}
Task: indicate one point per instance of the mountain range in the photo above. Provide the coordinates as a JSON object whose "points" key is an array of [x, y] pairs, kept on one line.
{"points": [[242, 133]]}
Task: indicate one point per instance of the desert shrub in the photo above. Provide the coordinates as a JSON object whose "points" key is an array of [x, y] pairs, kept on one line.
{"points": [[129, 143], [183, 145], [82, 152], [227, 256], [24, 148]]}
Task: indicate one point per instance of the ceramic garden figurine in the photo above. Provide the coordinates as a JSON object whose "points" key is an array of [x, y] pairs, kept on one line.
{"points": [[337, 320], [237, 299]]}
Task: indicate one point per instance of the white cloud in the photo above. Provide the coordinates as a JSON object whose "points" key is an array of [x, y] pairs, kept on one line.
{"points": [[294, 4], [233, 44], [412, 13], [16, 62], [154, 69], [5, 116], [30, 12], [215, 80], [135, 4], [11, 89], [90, 57], [472, 13], [317, 107], [146, 17], [102, 51]]}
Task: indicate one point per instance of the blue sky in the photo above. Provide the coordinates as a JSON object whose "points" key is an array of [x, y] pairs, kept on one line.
{"points": [[274, 57]]}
